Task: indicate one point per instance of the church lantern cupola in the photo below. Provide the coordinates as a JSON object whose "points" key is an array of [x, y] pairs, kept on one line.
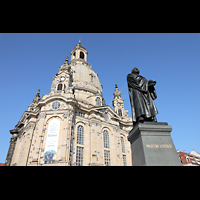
{"points": [[79, 53]]}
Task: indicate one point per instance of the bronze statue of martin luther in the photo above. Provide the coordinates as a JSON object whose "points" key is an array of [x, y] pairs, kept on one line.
{"points": [[141, 93]]}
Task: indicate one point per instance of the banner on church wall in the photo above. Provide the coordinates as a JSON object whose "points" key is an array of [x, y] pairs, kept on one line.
{"points": [[52, 141]]}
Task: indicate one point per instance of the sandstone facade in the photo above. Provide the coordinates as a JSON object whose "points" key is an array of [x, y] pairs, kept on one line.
{"points": [[72, 125]]}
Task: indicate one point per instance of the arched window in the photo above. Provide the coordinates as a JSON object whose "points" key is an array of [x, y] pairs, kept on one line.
{"points": [[92, 78], [80, 135], [81, 55], [123, 146], [106, 139], [59, 86], [74, 55], [120, 112], [98, 101]]}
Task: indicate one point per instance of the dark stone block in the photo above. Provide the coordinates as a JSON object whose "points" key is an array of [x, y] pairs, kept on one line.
{"points": [[152, 145]]}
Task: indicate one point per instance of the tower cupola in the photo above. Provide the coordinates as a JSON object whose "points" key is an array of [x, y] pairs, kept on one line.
{"points": [[79, 53]]}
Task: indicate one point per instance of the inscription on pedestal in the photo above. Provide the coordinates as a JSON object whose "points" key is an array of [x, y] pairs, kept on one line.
{"points": [[157, 146]]}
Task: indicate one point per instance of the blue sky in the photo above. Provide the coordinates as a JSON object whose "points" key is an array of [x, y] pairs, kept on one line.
{"points": [[29, 61]]}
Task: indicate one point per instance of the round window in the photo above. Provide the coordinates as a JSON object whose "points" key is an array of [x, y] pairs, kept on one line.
{"points": [[56, 105]]}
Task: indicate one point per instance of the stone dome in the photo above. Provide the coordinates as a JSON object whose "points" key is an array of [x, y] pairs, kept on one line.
{"points": [[85, 81]]}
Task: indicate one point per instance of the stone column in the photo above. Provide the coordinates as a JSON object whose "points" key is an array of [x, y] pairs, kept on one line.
{"points": [[93, 143], [37, 141]]}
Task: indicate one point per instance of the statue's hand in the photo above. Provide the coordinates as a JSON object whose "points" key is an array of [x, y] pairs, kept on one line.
{"points": [[151, 83]]}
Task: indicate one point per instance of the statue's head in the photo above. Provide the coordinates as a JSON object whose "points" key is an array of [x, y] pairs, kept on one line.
{"points": [[135, 70]]}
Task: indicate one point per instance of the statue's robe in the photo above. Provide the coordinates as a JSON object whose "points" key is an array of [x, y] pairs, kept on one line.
{"points": [[141, 97]]}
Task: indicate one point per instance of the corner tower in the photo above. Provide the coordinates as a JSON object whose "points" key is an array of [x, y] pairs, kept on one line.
{"points": [[118, 103]]}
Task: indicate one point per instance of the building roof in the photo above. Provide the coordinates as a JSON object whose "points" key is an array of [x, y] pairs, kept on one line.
{"points": [[79, 45], [193, 152], [189, 159]]}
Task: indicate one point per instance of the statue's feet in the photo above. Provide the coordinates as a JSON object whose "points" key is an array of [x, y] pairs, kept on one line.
{"points": [[141, 119], [151, 119]]}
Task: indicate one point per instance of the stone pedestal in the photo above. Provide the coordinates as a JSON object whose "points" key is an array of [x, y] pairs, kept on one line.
{"points": [[152, 145]]}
